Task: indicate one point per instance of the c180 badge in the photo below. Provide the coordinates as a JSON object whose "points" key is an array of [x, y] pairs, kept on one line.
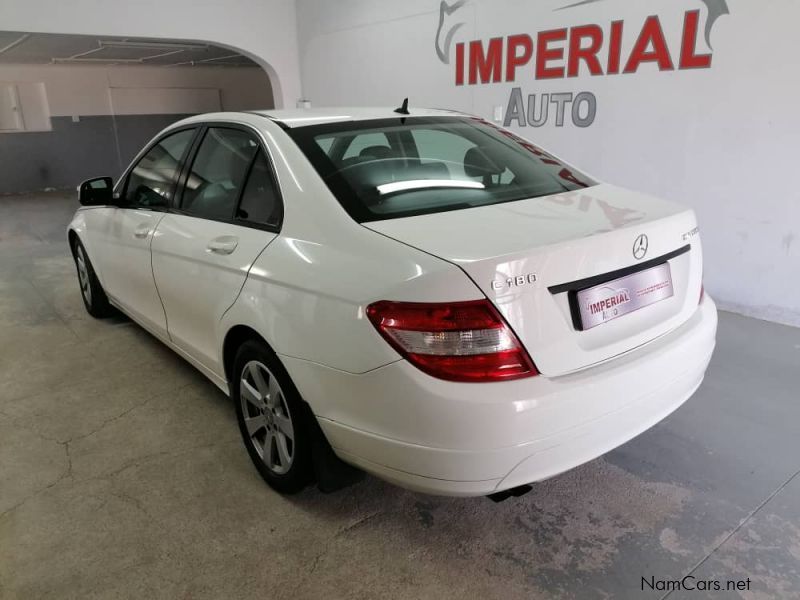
{"points": [[514, 282]]}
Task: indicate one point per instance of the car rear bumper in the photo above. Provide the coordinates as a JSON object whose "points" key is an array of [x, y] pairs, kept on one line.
{"points": [[470, 439]]}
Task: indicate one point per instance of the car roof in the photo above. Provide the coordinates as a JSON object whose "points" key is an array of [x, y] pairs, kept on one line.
{"points": [[300, 117], [304, 117]]}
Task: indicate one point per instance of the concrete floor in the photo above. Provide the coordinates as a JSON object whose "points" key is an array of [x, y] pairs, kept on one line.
{"points": [[122, 476]]}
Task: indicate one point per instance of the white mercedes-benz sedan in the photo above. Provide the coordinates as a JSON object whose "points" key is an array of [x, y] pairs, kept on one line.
{"points": [[419, 294]]}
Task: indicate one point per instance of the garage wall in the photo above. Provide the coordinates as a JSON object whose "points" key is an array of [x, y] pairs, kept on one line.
{"points": [[717, 129], [92, 120], [263, 30]]}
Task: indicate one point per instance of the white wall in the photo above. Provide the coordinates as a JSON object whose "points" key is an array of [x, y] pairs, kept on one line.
{"points": [[264, 30], [83, 90], [724, 140]]}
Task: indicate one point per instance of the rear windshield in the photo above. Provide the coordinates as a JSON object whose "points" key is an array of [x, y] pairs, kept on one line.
{"points": [[391, 168]]}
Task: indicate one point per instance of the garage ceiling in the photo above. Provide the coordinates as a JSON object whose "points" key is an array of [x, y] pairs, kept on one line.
{"points": [[45, 48]]}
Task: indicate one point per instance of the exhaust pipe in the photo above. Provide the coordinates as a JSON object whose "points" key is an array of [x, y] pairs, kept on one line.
{"points": [[512, 493]]}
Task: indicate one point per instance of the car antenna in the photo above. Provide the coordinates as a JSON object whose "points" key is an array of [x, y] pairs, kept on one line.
{"points": [[403, 110]]}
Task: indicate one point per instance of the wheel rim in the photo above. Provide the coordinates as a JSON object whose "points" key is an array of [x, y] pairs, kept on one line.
{"points": [[267, 419], [83, 276]]}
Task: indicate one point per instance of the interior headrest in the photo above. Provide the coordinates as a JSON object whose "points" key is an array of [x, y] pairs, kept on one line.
{"points": [[376, 152], [478, 164]]}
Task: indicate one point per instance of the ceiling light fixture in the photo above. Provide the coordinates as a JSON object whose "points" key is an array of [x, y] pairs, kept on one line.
{"points": [[151, 45]]}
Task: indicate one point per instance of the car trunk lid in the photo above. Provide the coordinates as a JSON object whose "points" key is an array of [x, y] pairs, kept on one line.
{"points": [[533, 257]]}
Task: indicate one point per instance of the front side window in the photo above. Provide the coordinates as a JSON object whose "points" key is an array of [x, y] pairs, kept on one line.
{"points": [[218, 173], [420, 165], [151, 182]]}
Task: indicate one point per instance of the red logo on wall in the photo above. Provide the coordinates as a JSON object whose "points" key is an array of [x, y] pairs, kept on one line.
{"points": [[572, 51]]}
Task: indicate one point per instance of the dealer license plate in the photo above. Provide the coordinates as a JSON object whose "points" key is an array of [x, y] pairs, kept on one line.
{"points": [[609, 301]]}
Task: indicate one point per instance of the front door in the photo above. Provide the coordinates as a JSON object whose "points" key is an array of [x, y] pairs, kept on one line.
{"points": [[121, 242]]}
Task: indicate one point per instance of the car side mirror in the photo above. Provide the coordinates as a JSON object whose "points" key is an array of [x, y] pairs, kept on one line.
{"points": [[96, 192]]}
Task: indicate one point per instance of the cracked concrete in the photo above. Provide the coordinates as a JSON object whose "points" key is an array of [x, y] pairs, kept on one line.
{"points": [[122, 476]]}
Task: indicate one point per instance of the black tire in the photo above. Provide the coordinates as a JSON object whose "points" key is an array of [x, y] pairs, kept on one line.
{"points": [[94, 297], [262, 419]]}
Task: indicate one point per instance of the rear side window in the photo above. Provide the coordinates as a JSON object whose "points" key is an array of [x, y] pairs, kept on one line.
{"points": [[260, 202], [151, 182], [218, 173], [326, 144]]}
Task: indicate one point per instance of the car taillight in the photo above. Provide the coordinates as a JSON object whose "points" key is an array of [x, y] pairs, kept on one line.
{"points": [[457, 341]]}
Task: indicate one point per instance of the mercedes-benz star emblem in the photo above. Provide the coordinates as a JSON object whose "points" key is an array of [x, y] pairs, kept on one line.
{"points": [[640, 247]]}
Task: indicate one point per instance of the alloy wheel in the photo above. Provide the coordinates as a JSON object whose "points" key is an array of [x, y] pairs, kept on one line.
{"points": [[267, 417], [83, 276]]}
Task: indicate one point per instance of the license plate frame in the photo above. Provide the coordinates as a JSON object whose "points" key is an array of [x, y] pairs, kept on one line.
{"points": [[606, 302]]}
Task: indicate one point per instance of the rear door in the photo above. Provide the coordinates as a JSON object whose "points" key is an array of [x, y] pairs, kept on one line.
{"points": [[229, 210], [120, 237]]}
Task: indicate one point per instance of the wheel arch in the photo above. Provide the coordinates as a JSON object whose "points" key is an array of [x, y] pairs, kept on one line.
{"points": [[234, 338], [77, 233], [72, 238], [328, 470]]}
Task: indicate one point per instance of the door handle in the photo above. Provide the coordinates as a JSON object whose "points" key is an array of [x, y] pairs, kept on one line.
{"points": [[141, 232], [224, 244]]}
